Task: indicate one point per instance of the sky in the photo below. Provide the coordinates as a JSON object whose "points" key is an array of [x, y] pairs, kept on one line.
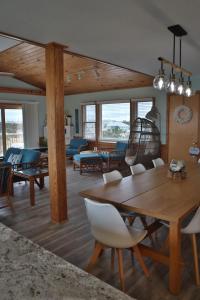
{"points": [[13, 115]]}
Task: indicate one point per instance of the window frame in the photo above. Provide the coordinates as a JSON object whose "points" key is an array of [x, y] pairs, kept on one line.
{"points": [[83, 109], [3, 107], [100, 119], [134, 105], [98, 122]]}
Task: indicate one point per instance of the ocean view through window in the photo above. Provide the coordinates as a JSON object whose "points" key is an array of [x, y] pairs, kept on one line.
{"points": [[115, 121]]}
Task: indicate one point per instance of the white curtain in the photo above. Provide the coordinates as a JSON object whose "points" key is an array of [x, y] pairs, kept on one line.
{"points": [[31, 125]]}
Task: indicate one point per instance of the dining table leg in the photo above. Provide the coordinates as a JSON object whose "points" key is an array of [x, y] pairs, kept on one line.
{"points": [[175, 258]]}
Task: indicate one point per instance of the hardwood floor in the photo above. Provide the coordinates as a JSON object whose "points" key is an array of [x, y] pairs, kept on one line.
{"points": [[73, 241]]}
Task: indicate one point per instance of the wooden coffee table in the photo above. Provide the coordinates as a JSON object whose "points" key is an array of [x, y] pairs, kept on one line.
{"points": [[32, 175]]}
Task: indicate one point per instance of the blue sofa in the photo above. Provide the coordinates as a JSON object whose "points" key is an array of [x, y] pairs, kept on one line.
{"points": [[75, 146], [28, 156]]}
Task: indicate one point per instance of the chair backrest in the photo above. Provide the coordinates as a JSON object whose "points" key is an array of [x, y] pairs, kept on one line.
{"points": [[137, 169], [121, 146], [158, 162], [30, 156], [76, 143], [5, 177], [106, 222], [112, 176], [194, 224]]}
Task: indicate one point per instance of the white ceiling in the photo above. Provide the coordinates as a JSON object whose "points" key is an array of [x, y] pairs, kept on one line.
{"points": [[130, 33], [6, 43]]}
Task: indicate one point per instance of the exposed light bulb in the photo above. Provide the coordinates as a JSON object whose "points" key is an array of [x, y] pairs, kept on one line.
{"points": [[180, 87], [172, 84], [188, 92], [160, 81]]}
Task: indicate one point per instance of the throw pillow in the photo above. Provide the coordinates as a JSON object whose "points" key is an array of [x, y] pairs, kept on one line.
{"points": [[14, 158]]}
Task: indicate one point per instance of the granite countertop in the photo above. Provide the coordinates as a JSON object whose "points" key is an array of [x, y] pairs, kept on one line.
{"points": [[27, 271]]}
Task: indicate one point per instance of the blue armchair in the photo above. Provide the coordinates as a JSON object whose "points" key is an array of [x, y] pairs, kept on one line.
{"points": [[76, 146], [117, 156], [27, 157]]}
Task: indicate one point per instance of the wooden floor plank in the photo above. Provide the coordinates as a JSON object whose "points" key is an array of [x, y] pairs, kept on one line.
{"points": [[73, 241]]}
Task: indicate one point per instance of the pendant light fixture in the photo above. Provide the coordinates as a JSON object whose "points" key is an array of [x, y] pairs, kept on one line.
{"points": [[160, 81], [172, 79], [171, 85], [180, 86]]}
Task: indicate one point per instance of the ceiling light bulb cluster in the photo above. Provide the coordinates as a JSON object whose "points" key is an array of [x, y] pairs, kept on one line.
{"points": [[173, 84]]}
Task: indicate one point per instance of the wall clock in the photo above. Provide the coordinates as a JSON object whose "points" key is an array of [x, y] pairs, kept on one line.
{"points": [[183, 114]]}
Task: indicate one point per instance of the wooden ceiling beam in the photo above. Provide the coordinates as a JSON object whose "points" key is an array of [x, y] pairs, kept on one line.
{"points": [[24, 91]]}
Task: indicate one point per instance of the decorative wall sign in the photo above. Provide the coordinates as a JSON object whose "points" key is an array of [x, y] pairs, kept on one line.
{"points": [[183, 114]]}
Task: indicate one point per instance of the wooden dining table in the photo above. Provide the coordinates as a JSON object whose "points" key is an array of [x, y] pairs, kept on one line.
{"points": [[155, 194]]}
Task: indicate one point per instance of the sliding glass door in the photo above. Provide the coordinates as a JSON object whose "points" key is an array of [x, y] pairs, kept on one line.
{"points": [[11, 127], [1, 135], [14, 128]]}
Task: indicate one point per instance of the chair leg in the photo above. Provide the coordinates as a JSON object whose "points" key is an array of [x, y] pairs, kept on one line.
{"points": [[96, 253], [131, 220], [120, 264], [165, 245], [144, 222], [112, 259], [195, 255], [140, 260], [10, 204]]}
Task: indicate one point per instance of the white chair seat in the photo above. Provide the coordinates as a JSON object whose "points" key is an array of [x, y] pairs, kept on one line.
{"points": [[120, 241]]}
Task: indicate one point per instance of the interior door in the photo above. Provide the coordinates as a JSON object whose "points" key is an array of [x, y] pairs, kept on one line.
{"points": [[182, 136]]}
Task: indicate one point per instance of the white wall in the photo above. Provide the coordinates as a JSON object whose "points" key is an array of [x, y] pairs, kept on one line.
{"points": [[73, 102]]}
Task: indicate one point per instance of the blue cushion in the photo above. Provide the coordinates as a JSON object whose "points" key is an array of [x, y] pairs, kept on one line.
{"points": [[121, 146], [71, 151], [76, 143], [77, 157], [29, 155], [105, 156]]}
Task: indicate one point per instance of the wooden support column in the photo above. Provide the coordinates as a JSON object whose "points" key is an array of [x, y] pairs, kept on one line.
{"points": [[55, 125]]}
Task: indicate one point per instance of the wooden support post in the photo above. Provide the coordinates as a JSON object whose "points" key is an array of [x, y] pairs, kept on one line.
{"points": [[55, 125]]}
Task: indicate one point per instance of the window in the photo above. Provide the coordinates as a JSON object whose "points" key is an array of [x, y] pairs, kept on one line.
{"points": [[89, 121], [11, 127], [143, 107], [115, 121]]}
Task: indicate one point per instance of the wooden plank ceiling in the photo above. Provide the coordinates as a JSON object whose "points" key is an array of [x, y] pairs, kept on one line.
{"points": [[82, 75]]}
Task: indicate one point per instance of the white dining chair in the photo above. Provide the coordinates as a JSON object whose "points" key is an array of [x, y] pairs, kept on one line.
{"points": [[137, 169], [192, 229], [110, 231], [158, 162], [112, 176], [130, 216]]}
